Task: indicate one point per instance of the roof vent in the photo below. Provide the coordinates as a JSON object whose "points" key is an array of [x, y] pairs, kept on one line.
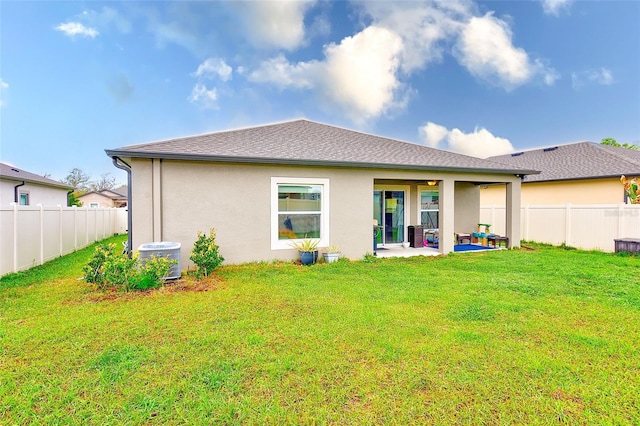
{"points": [[15, 170], [550, 149], [517, 154]]}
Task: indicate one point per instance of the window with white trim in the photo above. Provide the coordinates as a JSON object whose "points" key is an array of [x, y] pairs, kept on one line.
{"points": [[299, 209], [430, 209], [94, 205], [24, 199]]}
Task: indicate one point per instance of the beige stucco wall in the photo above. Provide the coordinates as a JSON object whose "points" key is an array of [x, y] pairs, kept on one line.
{"points": [[38, 194], [102, 201], [467, 207], [172, 200], [593, 191]]}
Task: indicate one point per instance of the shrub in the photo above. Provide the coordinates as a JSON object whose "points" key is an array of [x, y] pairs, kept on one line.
{"points": [[94, 270], [152, 272], [110, 268], [205, 254]]}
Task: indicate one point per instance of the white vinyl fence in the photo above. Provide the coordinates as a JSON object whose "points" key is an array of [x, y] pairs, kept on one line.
{"points": [[32, 235], [584, 226]]}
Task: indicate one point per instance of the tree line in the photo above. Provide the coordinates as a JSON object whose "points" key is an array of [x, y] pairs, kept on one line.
{"points": [[82, 183]]}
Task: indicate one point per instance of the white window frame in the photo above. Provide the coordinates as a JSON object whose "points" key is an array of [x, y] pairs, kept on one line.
{"points": [[27, 199], [323, 241], [421, 188], [94, 205]]}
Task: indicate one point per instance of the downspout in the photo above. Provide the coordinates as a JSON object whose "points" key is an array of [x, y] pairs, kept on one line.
{"points": [[127, 168], [15, 192]]}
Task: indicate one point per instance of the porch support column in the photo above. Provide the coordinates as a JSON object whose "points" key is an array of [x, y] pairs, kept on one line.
{"points": [[157, 199], [447, 215], [513, 213]]}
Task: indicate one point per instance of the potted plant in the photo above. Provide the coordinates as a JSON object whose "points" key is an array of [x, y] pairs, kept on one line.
{"points": [[331, 254], [308, 250]]}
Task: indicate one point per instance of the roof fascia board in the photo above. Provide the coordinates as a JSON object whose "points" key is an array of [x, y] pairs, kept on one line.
{"points": [[284, 161], [35, 182], [617, 176]]}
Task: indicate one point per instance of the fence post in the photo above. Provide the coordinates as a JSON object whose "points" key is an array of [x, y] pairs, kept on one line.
{"points": [[567, 225], [526, 222], [86, 227], [15, 237], [61, 234], [621, 211], [75, 228], [41, 233]]}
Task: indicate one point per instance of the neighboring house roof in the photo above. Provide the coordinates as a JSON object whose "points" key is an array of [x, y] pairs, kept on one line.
{"points": [[110, 194], [305, 142], [582, 160], [121, 190], [10, 172]]}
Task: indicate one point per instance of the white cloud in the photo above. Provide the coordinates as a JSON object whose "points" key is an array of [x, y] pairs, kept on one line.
{"points": [[207, 98], [3, 88], [425, 27], [432, 134], [480, 143], [486, 49], [214, 67], [275, 24], [554, 7], [365, 74], [358, 75], [602, 76], [210, 69], [105, 18], [361, 73], [73, 29], [283, 74]]}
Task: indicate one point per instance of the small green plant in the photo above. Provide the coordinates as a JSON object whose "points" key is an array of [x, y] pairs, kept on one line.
{"points": [[94, 270], [205, 254], [152, 272], [332, 249], [110, 268], [120, 270], [305, 245], [369, 257]]}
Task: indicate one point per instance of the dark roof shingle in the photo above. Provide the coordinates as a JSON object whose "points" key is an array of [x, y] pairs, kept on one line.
{"points": [[582, 160], [307, 142], [8, 171]]}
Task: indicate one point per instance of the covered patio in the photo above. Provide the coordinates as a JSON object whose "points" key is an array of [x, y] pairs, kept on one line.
{"points": [[439, 205]]}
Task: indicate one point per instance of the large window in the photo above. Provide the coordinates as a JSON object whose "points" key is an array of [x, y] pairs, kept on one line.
{"points": [[299, 209], [429, 209]]}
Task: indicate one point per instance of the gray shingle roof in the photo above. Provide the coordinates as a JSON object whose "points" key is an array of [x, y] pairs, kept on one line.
{"points": [[8, 171], [309, 143], [582, 160]]}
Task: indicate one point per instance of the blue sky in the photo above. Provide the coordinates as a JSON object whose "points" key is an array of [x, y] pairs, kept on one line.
{"points": [[480, 78]]}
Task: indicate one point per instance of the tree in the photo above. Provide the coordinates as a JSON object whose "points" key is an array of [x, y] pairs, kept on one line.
{"points": [[73, 200], [632, 188], [78, 180], [613, 142], [105, 182]]}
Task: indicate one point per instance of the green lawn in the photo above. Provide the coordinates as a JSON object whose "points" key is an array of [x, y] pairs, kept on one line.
{"points": [[541, 336]]}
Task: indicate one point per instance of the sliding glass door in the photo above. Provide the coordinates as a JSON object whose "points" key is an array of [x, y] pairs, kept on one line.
{"points": [[389, 211]]}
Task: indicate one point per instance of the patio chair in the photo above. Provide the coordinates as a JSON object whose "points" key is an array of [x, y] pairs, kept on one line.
{"points": [[497, 239], [461, 236]]}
